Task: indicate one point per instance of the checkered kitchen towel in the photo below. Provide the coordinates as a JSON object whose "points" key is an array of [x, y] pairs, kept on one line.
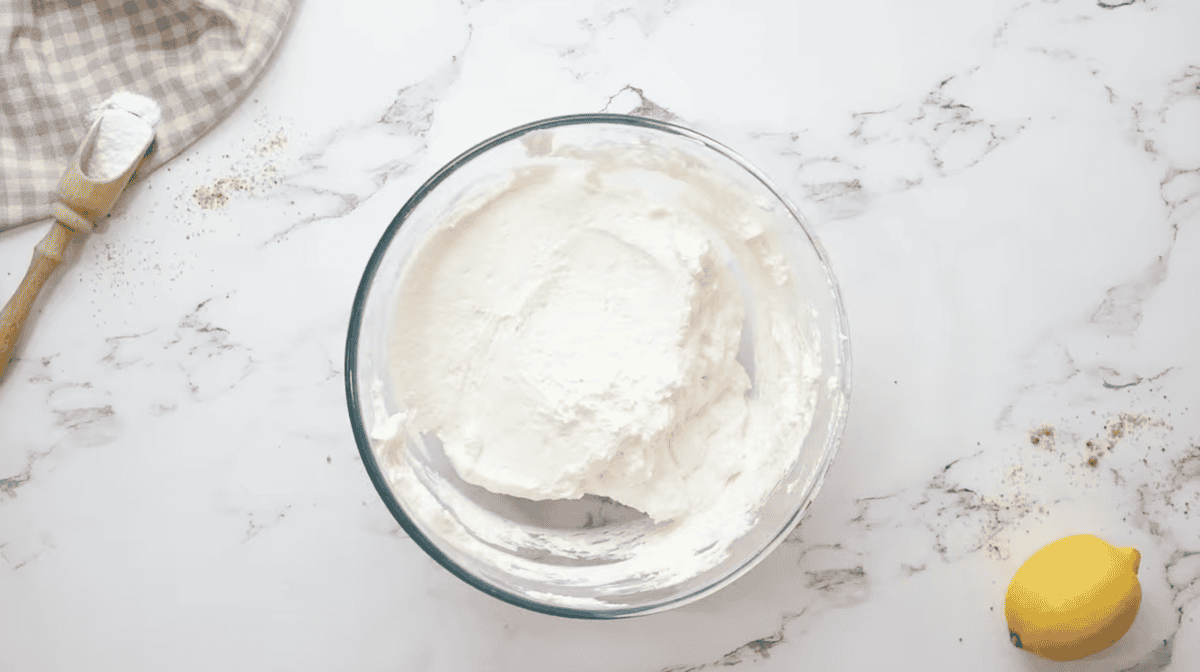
{"points": [[61, 58]]}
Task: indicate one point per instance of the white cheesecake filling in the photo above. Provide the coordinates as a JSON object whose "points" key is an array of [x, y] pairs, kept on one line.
{"points": [[598, 325]]}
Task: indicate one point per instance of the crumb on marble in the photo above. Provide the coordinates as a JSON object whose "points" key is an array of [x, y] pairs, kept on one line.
{"points": [[1043, 432], [216, 195], [272, 144]]}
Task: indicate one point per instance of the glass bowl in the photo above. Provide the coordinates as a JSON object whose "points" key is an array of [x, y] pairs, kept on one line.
{"points": [[593, 557]]}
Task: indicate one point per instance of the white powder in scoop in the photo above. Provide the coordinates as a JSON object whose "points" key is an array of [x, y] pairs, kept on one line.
{"points": [[132, 103], [126, 127]]}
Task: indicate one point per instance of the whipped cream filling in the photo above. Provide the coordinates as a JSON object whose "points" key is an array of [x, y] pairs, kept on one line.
{"points": [[568, 340], [598, 325]]}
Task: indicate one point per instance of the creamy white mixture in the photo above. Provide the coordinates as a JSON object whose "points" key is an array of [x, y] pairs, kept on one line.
{"points": [[602, 326], [586, 344]]}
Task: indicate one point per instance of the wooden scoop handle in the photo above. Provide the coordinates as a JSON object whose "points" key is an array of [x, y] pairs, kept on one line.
{"points": [[82, 201], [46, 257]]}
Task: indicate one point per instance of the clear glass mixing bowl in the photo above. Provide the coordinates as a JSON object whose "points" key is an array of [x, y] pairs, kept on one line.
{"points": [[536, 562]]}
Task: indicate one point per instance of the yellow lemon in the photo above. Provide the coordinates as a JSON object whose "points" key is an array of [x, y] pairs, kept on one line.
{"points": [[1073, 597]]}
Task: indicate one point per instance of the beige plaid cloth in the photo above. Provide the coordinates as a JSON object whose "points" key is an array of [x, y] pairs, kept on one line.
{"points": [[61, 58]]}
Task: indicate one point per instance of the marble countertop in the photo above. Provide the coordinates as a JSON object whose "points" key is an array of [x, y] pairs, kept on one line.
{"points": [[1009, 192]]}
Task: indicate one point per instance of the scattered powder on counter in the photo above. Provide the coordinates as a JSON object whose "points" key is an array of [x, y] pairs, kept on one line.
{"points": [[271, 145], [217, 194], [254, 173]]}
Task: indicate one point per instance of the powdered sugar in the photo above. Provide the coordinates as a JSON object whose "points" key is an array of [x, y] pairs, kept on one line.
{"points": [[126, 128], [132, 103]]}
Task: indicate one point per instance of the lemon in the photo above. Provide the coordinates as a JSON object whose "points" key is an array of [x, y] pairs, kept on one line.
{"points": [[1073, 597]]}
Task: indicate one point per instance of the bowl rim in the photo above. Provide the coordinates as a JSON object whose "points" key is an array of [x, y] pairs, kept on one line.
{"points": [[836, 425]]}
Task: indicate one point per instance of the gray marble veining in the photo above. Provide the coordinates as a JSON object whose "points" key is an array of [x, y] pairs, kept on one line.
{"points": [[1010, 195]]}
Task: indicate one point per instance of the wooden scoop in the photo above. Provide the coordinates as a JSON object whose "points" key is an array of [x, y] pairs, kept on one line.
{"points": [[84, 197]]}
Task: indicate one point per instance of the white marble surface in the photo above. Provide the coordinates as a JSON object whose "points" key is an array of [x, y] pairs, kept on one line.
{"points": [[1010, 195]]}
